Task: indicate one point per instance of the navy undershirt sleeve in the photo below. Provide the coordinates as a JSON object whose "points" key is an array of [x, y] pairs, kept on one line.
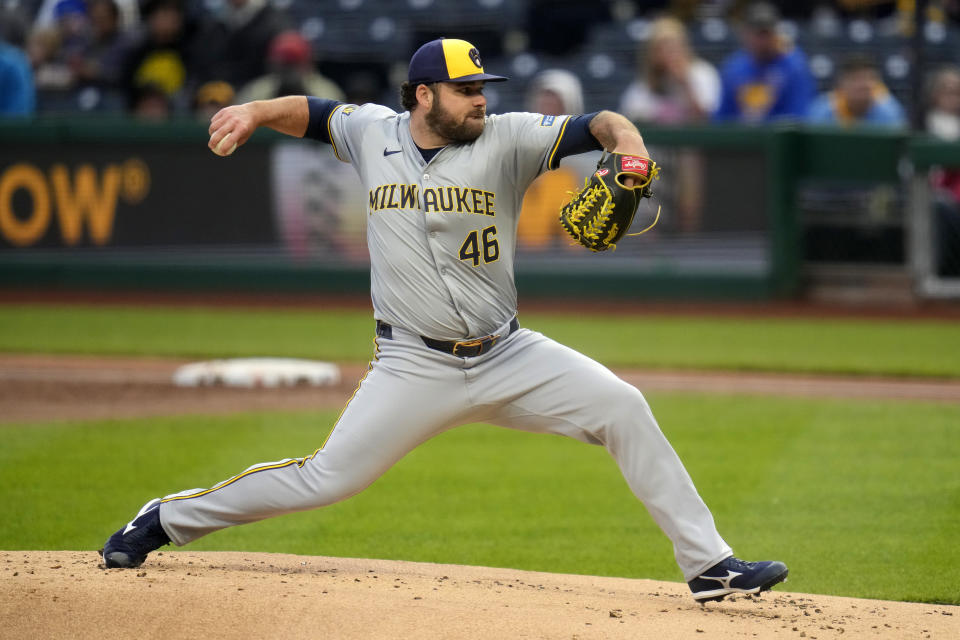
{"points": [[320, 110], [576, 138]]}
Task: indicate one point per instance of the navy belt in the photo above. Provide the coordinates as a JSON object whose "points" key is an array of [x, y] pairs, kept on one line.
{"points": [[460, 348]]}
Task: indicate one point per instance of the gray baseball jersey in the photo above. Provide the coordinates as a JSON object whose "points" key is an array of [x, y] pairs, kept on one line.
{"points": [[442, 236]]}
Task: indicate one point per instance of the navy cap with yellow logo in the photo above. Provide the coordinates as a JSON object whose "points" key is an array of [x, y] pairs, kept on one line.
{"points": [[448, 60]]}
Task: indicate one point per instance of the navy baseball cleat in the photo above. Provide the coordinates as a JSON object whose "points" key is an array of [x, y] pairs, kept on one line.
{"points": [[128, 547], [736, 576]]}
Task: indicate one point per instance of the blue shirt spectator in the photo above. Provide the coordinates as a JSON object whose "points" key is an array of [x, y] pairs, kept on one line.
{"points": [[17, 97], [767, 79], [858, 99]]}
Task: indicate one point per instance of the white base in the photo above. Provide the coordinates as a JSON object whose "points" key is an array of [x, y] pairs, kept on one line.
{"points": [[257, 372]]}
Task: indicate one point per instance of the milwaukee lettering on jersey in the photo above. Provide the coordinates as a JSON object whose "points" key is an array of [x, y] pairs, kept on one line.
{"points": [[432, 199]]}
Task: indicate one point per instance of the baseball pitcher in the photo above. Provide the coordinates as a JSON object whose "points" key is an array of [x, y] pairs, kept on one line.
{"points": [[444, 184]]}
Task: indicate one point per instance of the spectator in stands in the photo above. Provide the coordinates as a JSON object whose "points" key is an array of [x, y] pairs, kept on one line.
{"points": [[859, 98], [151, 102], [210, 97], [552, 92], [73, 25], [943, 121], [769, 78], [166, 53], [17, 96], [50, 71], [129, 14], [99, 63], [555, 92], [943, 116], [238, 40], [674, 85], [291, 73], [54, 50]]}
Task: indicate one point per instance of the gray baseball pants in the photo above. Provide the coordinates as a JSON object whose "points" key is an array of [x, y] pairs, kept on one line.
{"points": [[412, 393]]}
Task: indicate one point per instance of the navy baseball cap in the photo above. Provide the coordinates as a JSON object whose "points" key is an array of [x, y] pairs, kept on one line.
{"points": [[448, 60]]}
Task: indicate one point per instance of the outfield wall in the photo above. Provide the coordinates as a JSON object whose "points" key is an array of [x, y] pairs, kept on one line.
{"points": [[122, 204]]}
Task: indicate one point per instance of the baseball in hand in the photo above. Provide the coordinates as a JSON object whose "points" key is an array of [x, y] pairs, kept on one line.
{"points": [[219, 150]]}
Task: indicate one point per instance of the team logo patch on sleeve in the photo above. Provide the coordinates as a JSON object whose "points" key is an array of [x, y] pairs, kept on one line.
{"points": [[547, 121], [348, 110]]}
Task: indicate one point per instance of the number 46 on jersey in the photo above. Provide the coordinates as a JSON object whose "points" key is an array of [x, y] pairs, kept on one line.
{"points": [[481, 245]]}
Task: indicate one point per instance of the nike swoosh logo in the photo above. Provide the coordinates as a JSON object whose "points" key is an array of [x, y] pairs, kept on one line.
{"points": [[390, 153]]}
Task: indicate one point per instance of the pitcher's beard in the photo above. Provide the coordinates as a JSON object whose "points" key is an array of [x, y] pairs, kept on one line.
{"points": [[446, 126]]}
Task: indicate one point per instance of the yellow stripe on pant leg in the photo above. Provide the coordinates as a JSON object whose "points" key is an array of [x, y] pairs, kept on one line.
{"points": [[298, 461], [376, 356], [225, 483]]}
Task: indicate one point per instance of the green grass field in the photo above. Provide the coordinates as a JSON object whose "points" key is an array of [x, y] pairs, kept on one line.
{"points": [[863, 347], [859, 498]]}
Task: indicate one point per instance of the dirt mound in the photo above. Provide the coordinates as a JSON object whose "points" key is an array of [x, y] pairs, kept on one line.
{"points": [[58, 594]]}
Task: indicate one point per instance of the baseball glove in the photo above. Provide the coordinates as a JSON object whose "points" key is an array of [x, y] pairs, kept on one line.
{"points": [[601, 213]]}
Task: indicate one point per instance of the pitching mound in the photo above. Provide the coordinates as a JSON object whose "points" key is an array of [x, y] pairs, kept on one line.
{"points": [[61, 594]]}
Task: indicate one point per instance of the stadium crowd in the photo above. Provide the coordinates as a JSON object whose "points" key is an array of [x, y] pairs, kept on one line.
{"points": [[157, 59], [830, 63]]}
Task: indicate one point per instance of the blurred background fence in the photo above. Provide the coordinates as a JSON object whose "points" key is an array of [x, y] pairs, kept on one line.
{"points": [[105, 180], [748, 213]]}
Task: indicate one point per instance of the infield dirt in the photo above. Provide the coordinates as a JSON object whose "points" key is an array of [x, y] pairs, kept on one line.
{"points": [[61, 387], [68, 594]]}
